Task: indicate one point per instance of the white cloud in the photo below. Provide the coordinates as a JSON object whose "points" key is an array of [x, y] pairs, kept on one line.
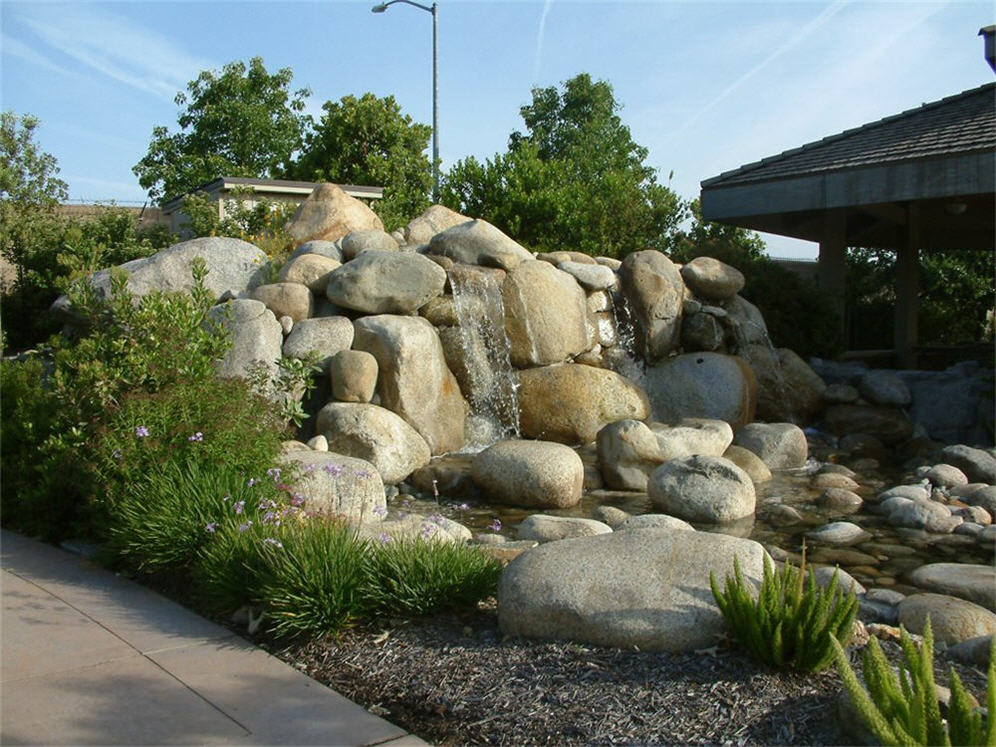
{"points": [[115, 47], [17, 48]]}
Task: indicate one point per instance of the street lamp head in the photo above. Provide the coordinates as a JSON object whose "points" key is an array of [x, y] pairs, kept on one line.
{"points": [[379, 8]]}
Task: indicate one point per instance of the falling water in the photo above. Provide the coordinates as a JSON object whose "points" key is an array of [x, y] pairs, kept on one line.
{"points": [[743, 343], [623, 357], [490, 379]]}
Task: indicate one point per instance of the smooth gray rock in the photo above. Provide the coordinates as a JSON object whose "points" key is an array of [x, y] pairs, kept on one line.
{"points": [[946, 476], [477, 242], [329, 249], [574, 589], [712, 279], [379, 282], [984, 497], [654, 521], [702, 385], [884, 388], [840, 533], [256, 337], [538, 474], [701, 488], [329, 214], [700, 332], [286, 299], [912, 492], [953, 620], [779, 445], [655, 291], [976, 583], [977, 464], [691, 436], [356, 243], [591, 277], [749, 462], [543, 528], [414, 380], [747, 321], [312, 270], [325, 335], [890, 424], [376, 435], [929, 515], [353, 375], [627, 453], [338, 485], [435, 219], [788, 390]]}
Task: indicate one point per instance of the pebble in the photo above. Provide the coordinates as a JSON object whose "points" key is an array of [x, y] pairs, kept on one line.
{"points": [[839, 533], [840, 499], [833, 480], [946, 476], [831, 468]]}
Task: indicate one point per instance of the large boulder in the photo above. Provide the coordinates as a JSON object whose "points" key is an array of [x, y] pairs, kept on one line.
{"points": [[703, 385], [379, 282], [327, 249], [435, 219], [338, 485], [654, 289], [647, 588], [693, 436], [358, 242], [953, 620], [591, 277], [977, 464], [233, 267], [884, 388], [747, 321], [888, 424], [788, 390], [329, 214], [377, 435], [312, 270], [286, 299], [711, 279], [326, 335], [704, 489], [477, 242], [627, 453], [414, 381], [545, 314], [570, 403], [779, 445], [256, 337], [537, 474], [543, 528], [976, 583]]}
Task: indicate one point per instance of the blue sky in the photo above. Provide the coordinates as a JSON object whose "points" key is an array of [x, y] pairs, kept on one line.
{"points": [[705, 86]]}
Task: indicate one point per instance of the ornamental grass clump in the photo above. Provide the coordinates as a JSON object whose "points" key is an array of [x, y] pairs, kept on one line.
{"points": [[902, 708], [787, 622]]}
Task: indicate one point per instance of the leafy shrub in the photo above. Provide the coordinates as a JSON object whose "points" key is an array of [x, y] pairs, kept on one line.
{"points": [[412, 577], [791, 622], [165, 517], [259, 221], [903, 709]]}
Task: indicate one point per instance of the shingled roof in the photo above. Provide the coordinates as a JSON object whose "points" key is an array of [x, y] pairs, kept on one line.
{"points": [[963, 123]]}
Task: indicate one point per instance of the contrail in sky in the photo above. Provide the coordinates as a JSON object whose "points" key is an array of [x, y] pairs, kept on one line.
{"points": [[825, 15], [539, 40]]}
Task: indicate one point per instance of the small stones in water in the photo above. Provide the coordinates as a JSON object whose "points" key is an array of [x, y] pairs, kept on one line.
{"points": [[780, 515], [610, 515], [840, 499], [839, 533], [833, 480], [945, 476]]}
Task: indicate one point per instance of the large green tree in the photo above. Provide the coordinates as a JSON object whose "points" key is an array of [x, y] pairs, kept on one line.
{"points": [[243, 121], [575, 179], [368, 140]]}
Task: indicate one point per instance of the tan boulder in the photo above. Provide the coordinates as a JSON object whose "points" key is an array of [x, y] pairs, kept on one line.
{"points": [[435, 219], [329, 214]]}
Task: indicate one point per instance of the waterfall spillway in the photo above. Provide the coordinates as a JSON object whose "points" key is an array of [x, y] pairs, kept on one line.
{"points": [[489, 378]]}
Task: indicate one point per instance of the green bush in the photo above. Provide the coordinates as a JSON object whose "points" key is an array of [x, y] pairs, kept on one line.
{"points": [[413, 577], [790, 623], [903, 709]]}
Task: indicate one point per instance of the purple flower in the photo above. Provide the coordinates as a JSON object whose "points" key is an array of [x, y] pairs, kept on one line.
{"points": [[141, 431], [428, 530], [436, 518], [272, 541], [211, 526], [384, 538], [462, 507], [196, 437], [270, 516], [379, 511], [297, 500], [308, 468], [252, 481], [244, 527], [333, 469], [239, 507], [273, 472], [496, 525], [364, 473]]}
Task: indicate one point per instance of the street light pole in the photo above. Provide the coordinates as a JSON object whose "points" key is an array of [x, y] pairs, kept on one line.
{"points": [[434, 10]]}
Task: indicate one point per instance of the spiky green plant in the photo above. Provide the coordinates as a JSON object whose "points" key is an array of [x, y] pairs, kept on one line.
{"points": [[902, 709], [788, 622]]}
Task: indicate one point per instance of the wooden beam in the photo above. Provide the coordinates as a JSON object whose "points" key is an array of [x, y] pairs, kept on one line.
{"points": [[908, 292]]}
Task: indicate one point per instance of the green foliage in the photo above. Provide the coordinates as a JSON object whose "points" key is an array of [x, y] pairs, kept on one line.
{"points": [[170, 511], [30, 496], [790, 623], [413, 577], [902, 709], [957, 289], [289, 387], [242, 121], [576, 180], [369, 141], [315, 580], [259, 221], [798, 313]]}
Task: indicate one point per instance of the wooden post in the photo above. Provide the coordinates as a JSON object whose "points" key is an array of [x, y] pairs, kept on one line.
{"points": [[832, 270], [908, 293]]}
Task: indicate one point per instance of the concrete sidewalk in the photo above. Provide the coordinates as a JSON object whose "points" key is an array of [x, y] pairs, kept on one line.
{"points": [[87, 657]]}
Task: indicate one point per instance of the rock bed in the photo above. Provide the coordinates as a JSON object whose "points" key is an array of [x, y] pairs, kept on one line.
{"points": [[458, 682]]}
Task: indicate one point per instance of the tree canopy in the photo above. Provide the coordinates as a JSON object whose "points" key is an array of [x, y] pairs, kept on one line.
{"points": [[368, 140], [242, 121], [575, 179]]}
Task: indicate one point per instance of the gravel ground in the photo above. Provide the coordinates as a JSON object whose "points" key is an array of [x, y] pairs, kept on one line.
{"points": [[457, 681]]}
